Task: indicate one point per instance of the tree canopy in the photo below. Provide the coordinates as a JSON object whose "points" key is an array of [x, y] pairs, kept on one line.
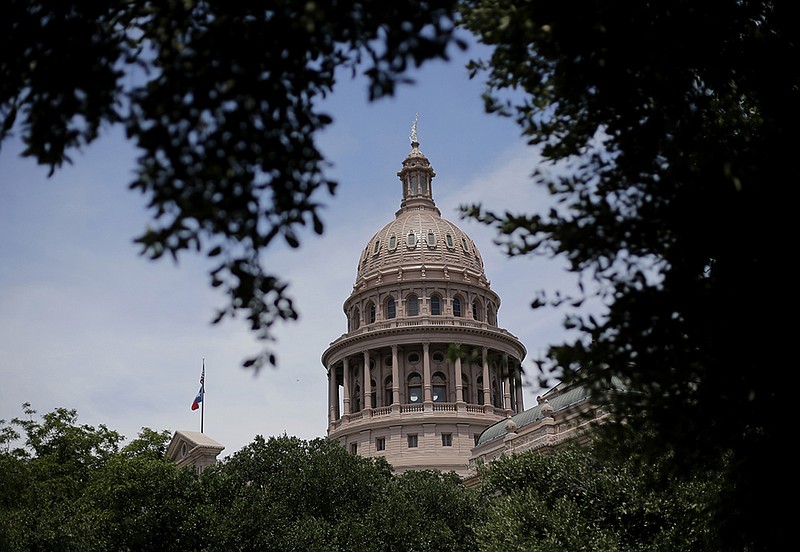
{"points": [[68, 486], [221, 101], [674, 131]]}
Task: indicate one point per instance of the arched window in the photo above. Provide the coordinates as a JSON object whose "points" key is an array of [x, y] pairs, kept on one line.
{"points": [[355, 400], [436, 305], [414, 185], [391, 309], [491, 315], [456, 306], [388, 396], [374, 394], [477, 311], [479, 389], [414, 388], [465, 388], [423, 181], [412, 306], [371, 313], [356, 321], [439, 387]]}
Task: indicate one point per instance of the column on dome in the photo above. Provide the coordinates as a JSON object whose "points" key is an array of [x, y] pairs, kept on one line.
{"points": [[518, 381], [506, 383], [487, 382], [395, 379], [333, 394], [346, 384], [367, 383], [426, 373], [459, 379]]}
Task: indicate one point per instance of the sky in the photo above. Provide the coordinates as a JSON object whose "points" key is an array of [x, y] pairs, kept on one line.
{"points": [[89, 324]]}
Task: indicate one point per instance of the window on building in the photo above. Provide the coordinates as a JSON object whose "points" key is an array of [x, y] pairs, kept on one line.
{"points": [[457, 307], [464, 244], [477, 313], [465, 388], [376, 246], [380, 443], [412, 441], [388, 395], [354, 448], [479, 389], [356, 321], [449, 239], [414, 388], [412, 239], [439, 387], [447, 439], [436, 305], [374, 394], [391, 309], [412, 306], [392, 242], [371, 311], [431, 239], [438, 357]]}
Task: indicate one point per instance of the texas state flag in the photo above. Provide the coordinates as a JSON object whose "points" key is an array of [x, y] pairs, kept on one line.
{"points": [[198, 399]]}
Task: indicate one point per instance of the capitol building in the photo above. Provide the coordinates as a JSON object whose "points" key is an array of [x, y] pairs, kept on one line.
{"points": [[424, 375]]}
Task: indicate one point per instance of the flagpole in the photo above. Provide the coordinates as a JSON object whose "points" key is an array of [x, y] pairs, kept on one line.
{"points": [[203, 394]]}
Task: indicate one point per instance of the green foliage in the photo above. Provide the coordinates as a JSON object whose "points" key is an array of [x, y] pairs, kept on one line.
{"points": [[419, 510], [283, 493], [672, 135], [220, 98], [579, 499]]}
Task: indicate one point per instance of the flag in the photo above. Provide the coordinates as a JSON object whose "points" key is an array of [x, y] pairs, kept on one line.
{"points": [[199, 398]]}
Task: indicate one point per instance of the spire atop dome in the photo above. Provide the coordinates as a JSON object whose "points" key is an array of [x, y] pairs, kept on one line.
{"points": [[416, 176], [413, 135]]}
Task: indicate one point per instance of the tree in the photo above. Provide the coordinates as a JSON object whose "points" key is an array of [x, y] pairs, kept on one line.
{"points": [[673, 134], [284, 493], [70, 487], [581, 499], [221, 100]]}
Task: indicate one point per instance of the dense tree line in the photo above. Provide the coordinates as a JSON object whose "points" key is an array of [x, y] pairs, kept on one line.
{"points": [[67, 486]]}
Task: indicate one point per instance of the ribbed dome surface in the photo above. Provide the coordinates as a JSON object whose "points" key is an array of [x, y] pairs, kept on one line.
{"points": [[419, 236]]}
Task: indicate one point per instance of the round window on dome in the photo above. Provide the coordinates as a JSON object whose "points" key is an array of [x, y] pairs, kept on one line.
{"points": [[438, 357], [413, 358]]}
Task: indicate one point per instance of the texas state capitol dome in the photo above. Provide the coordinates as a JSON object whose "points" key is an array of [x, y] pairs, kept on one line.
{"points": [[396, 386]]}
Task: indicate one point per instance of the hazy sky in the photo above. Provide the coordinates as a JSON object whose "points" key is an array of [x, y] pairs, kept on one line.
{"points": [[87, 323]]}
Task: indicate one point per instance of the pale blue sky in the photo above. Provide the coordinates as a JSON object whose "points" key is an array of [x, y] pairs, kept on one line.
{"points": [[87, 323]]}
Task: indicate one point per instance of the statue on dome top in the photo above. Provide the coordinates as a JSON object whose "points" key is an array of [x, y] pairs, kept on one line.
{"points": [[413, 135]]}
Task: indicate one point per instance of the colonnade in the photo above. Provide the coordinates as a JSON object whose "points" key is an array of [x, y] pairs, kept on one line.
{"points": [[350, 369]]}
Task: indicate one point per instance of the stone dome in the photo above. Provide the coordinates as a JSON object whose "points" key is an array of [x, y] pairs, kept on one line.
{"points": [[419, 235]]}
